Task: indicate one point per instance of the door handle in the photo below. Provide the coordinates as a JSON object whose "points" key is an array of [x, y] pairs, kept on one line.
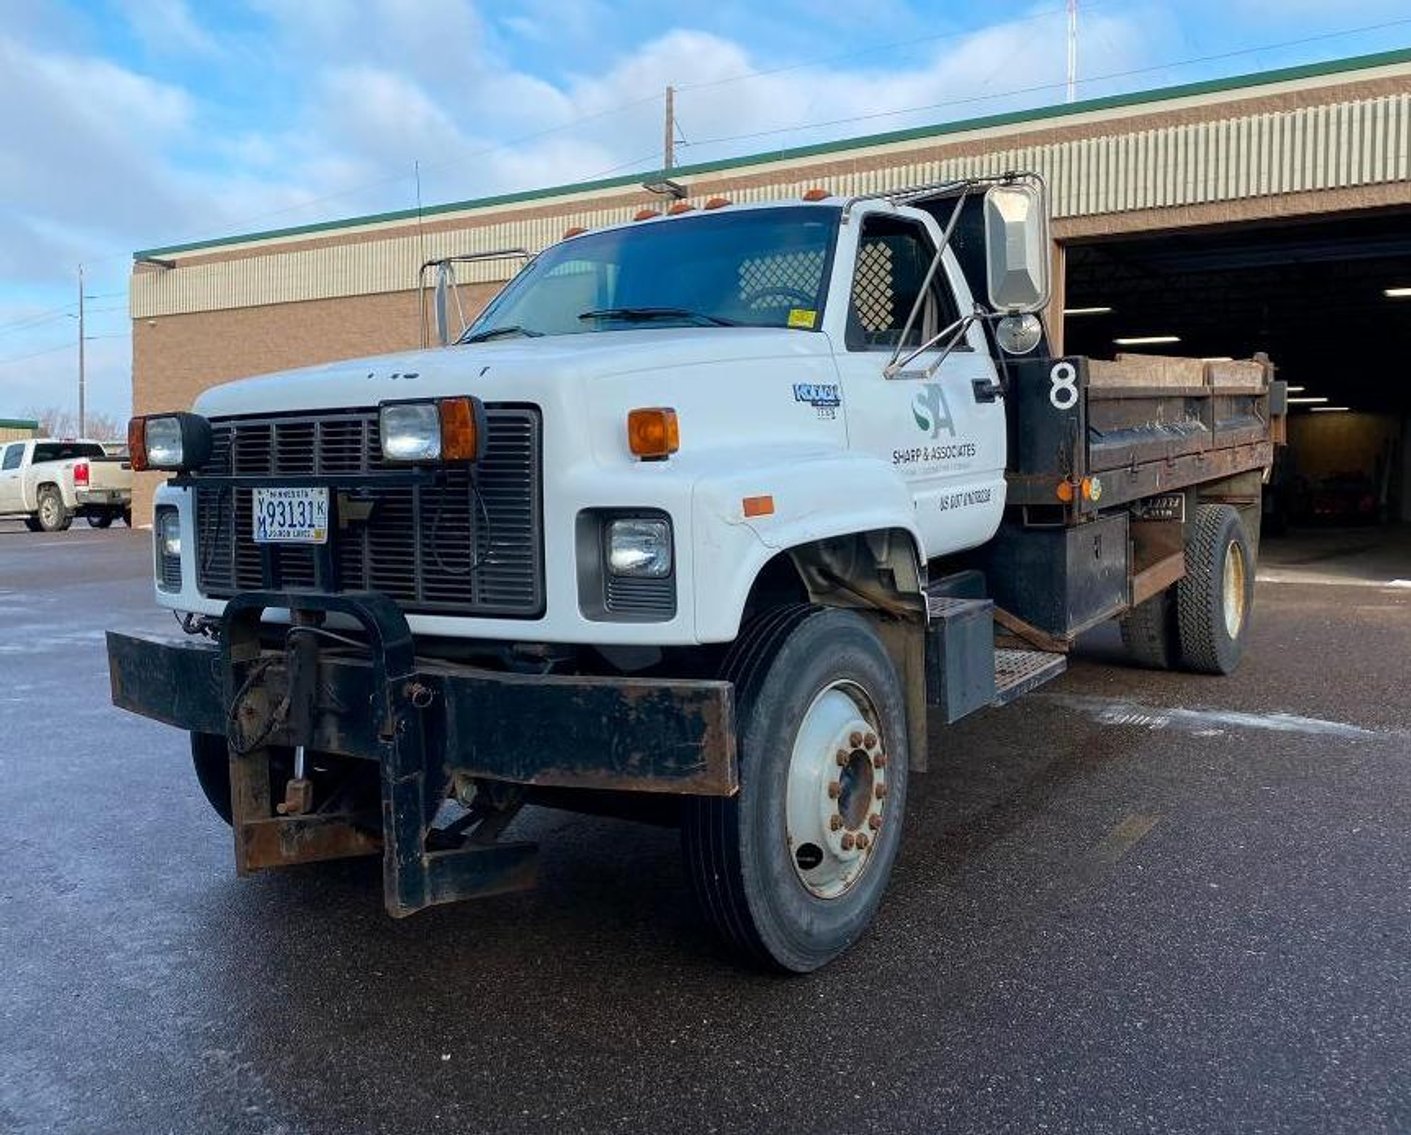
{"points": [[986, 390]]}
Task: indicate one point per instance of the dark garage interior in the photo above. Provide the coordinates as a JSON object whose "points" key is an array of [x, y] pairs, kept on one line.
{"points": [[1328, 300]]}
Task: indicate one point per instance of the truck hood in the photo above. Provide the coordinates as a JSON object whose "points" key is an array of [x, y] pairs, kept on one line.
{"points": [[507, 370]]}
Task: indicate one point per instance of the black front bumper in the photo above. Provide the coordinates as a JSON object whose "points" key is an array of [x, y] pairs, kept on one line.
{"points": [[428, 725]]}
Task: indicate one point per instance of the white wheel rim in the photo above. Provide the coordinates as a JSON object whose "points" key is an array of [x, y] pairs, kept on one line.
{"points": [[1232, 589], [837, 790]]}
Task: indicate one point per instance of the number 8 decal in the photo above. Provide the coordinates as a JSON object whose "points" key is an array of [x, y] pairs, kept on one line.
{"points": [[1063, 394]]}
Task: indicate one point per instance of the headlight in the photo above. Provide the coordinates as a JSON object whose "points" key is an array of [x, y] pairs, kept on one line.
{"points": [[164, 446], [640, 548], [411, 431], [169, 533], [451, 429], [174, 442]]}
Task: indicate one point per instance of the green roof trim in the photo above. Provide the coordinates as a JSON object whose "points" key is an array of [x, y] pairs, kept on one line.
{"points": [[18, 424], [1010, 118]]}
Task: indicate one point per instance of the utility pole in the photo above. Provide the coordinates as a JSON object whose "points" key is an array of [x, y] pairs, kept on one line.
{"points": [[1072, 50], [81, 430], [669, 142]]}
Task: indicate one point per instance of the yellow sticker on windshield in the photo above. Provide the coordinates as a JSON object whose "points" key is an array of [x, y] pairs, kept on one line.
{"points": [[802, 317]]}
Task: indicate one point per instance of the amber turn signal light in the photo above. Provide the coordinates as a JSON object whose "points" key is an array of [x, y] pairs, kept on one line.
{"points": [[137, 444], [653, 432], [462, 429]]}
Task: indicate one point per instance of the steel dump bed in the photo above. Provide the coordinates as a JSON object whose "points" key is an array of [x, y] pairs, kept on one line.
{"points": [[1139, 425]]}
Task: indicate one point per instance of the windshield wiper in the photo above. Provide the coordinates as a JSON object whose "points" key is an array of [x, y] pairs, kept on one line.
{"points": [[646, 314], [496, 332]]}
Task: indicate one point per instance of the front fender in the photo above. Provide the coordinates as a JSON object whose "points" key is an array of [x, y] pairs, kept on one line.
{"points": [[811, 497]]}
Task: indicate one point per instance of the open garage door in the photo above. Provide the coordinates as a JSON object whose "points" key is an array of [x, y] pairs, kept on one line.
{"points": [[1328, 300]]}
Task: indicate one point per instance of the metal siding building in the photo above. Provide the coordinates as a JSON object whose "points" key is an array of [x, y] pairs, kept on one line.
{"points": [[1301, 143]]}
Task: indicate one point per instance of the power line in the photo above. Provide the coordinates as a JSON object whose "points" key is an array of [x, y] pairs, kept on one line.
{"points": [[1053, 86]]}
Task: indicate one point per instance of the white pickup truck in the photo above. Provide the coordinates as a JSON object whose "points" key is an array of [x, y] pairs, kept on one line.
{"points": [[707, 518], [49, 481]]}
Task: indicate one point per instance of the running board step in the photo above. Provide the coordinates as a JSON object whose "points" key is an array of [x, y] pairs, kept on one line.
{"points": [[1019, 671], [965, 671]]}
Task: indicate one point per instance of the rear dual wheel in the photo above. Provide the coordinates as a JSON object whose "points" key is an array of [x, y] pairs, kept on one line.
{"points": [[1201, 623], [790, 871]]}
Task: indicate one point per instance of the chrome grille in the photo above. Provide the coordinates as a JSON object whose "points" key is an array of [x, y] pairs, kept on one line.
{"points": [[440, 548]]}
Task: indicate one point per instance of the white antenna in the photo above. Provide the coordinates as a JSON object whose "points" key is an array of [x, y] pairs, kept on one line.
{"points": [[1072, 50]]}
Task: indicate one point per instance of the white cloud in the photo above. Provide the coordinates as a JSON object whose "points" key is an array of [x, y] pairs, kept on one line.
{"points": [[167, 27]]}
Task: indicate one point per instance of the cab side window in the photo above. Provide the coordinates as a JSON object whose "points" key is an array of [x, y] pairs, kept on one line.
{"points": [[14, 454], [892, 258]]}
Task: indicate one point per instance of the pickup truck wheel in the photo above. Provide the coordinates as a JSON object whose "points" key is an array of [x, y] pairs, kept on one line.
{"points": [[99, 519], [127, 516], [1216, 595], [790, 870], [53, 516], [1149, 631]]}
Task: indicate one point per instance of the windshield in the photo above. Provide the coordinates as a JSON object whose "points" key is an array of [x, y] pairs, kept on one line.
{"points": [[752, 268]]}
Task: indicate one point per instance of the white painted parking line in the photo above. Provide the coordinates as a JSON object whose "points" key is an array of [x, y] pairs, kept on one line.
{"points": [[1207, 722]]}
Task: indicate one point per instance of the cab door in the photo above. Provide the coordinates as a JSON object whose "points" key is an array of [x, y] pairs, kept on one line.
{"points": [[941, 427], [11, 460]]}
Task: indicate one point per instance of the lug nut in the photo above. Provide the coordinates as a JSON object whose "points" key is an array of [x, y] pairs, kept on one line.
{"points": [[834, 823], [854, 739], [874, 821], [849, 842], [835, 789], [880, 791], [870, 741], [862, 841], [842, 758], [879, 761]]}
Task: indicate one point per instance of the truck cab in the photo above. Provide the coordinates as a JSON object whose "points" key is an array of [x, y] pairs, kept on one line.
{"points": [[707, 508]]}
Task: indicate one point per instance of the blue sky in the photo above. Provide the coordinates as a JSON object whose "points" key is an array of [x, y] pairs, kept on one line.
{"points": [[128, 124]]}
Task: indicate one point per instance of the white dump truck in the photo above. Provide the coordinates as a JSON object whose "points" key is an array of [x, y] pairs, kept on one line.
{"points": [[707, 517]]}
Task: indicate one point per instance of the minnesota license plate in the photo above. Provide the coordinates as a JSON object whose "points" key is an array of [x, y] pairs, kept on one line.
{"points": [[291, 516]]}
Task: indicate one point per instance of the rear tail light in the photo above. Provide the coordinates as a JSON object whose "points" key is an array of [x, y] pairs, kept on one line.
{"points": [[80, 474]]}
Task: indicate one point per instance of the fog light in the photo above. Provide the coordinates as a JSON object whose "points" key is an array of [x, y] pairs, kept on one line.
{"points": [[639, 548]]}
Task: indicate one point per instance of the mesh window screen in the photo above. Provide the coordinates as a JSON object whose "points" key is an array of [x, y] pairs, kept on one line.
{"points": [[782, 280]]}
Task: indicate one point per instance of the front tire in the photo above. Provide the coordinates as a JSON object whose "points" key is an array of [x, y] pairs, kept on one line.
{"points": [[1215, 597], [52, 515], [790, 871]]}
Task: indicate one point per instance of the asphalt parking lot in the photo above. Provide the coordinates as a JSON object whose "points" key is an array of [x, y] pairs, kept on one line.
{"points": [[1133, 902]]}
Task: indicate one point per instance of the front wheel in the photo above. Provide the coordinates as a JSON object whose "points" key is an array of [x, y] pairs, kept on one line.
{"points": [[790, 871], [99, 519]]}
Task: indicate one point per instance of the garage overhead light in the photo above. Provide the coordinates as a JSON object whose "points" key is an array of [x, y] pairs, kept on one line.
{"points": [[1331, 409], [1217, 359], [1398, 293], [1306, 401], [1146, 340], [1086, 310], [1295, 389]]}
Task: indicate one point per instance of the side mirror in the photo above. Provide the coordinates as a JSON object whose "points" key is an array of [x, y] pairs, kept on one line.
{"points": [[1017, 247], [445, 281]]}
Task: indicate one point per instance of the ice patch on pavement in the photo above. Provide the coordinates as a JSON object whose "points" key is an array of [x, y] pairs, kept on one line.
{"points": [[1207, 722]]}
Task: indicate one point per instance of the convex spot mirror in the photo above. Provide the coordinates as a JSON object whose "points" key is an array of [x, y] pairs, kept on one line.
{"points": [[1017, 247]]}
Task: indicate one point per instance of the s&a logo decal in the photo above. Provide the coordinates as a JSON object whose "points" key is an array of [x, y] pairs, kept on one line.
{"points": [[824, 397], [932, 411]]}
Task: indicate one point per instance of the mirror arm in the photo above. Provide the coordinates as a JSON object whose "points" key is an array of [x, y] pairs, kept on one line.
{"points": [[893, 365], [955, 330]]}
